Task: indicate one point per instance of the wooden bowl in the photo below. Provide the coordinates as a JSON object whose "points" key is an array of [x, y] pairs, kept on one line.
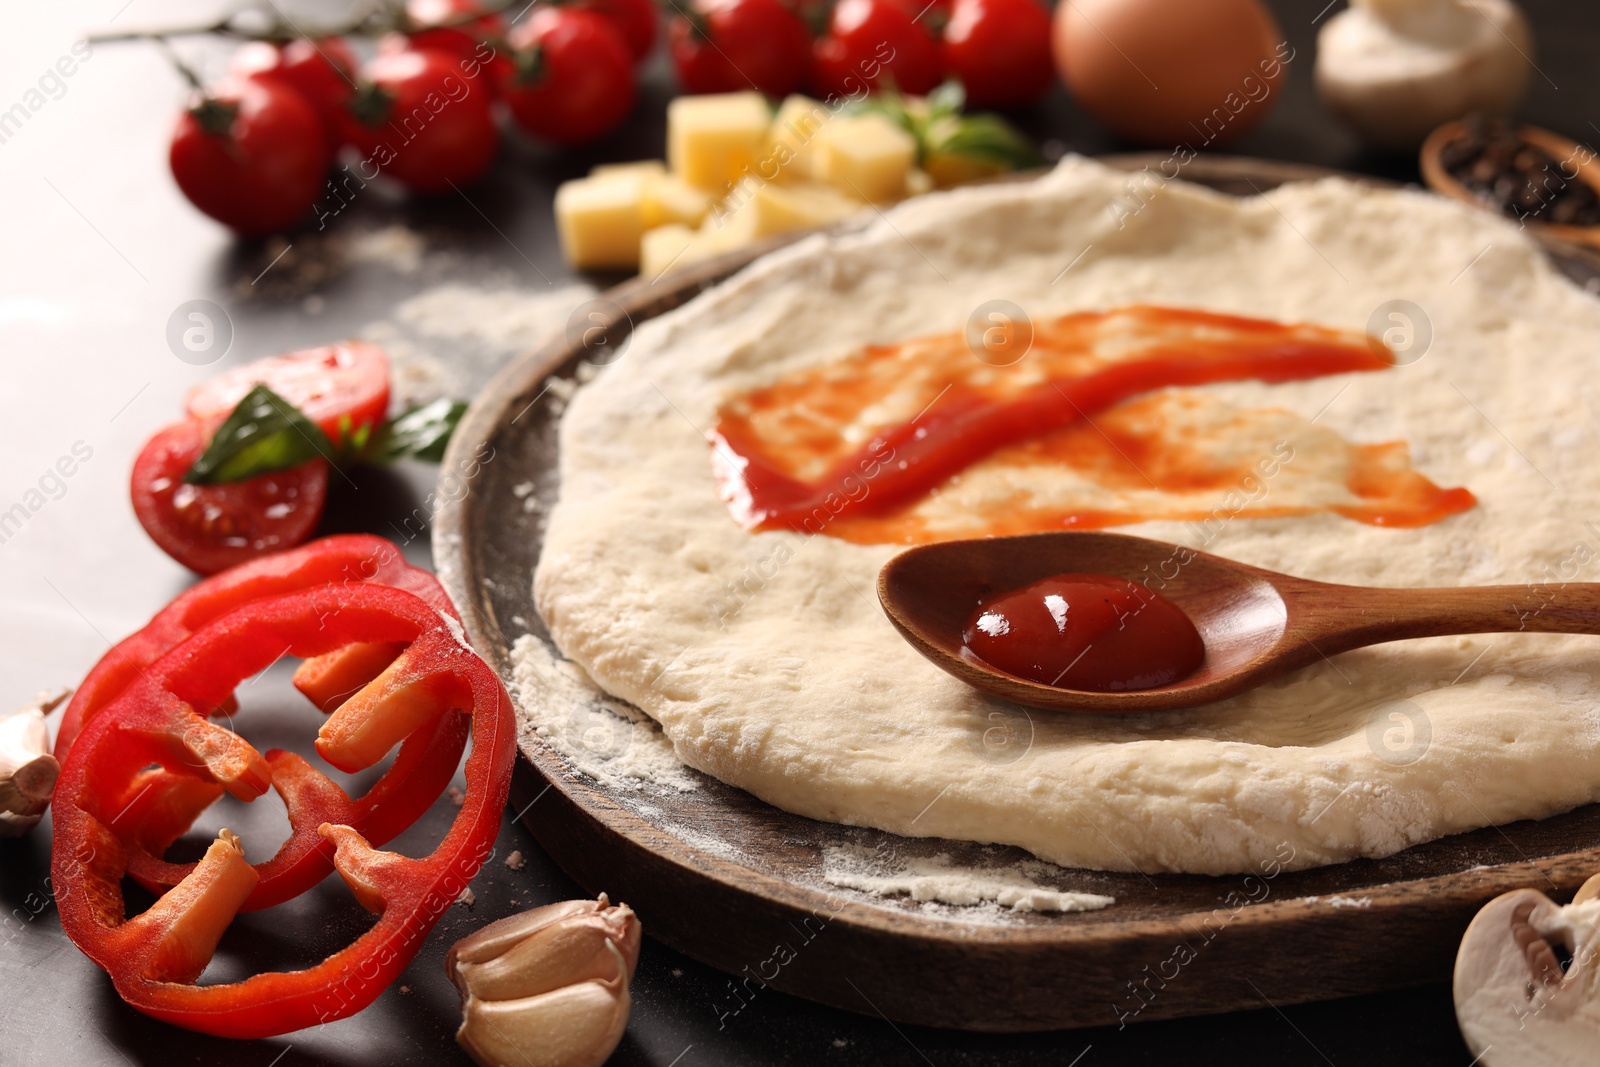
{"points": [[1582, 157]]}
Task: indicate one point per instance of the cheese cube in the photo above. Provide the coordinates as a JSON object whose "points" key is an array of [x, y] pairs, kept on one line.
{"points": [[763, 209], [787, 155], [664, 247], [642, 167], [668, 198], [713, 139], [599, 221], [867, 156]]}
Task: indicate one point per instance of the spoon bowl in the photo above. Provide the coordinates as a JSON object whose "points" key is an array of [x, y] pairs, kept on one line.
{"points": [[1256, 624]]}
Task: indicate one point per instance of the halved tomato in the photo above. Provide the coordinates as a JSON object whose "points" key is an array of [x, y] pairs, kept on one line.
{"points": [[209, 528], [328, 383]]}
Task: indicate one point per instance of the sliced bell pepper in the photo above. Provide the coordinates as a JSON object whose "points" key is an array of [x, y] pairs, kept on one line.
{"points": [[155, 958], [330, 560], [159, 806]]}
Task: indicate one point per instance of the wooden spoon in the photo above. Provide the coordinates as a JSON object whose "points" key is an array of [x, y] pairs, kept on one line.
{"points": [[1578, 160], [1257, 624]]}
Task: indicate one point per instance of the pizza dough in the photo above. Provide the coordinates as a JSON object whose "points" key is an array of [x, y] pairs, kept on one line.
{"points": [[768, 662]]}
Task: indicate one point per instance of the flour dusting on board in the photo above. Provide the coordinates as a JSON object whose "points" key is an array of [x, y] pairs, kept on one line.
{"points": [[937, 880], [599, 736]]}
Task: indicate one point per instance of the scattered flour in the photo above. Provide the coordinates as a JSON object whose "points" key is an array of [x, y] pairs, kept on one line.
{"points": [[448, 340], [1349, 902], [599, 736], [936, 879]]}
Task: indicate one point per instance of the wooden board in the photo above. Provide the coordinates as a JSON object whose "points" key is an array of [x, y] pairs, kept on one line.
{"points": [[738, 884]]}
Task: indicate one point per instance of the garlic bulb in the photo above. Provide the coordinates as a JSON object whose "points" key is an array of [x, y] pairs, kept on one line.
{"points": [[548, 987], [1393, 70], [27, 769]]}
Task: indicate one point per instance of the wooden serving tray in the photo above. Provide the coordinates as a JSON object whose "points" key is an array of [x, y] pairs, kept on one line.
{"points": [[736, 883]]}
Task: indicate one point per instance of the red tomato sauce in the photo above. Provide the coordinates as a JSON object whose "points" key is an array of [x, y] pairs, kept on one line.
{"points": [[782, 460], [1086, 631]]}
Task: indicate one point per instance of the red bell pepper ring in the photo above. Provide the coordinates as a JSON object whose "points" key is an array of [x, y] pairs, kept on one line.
{"points": [[159, 806], [154, 958], [329, 560]]}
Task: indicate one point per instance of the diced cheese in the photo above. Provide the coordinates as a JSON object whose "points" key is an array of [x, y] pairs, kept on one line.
{"points": [[867, 156], [599, 221], [787, 155], [757, 209], [713, 139], [668, 198], [664, 247], [641, 167]]}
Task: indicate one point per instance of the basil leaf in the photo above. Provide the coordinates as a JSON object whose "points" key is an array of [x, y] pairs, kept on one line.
{"points": [[948, 99], [421, 433], [263, 433], [986, 137]]}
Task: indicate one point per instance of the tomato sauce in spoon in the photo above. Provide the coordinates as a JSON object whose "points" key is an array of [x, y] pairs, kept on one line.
{"points": [[1092, 632]]}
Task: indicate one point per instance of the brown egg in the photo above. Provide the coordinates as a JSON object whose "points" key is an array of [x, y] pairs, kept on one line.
{"points": [[1165, 72]]}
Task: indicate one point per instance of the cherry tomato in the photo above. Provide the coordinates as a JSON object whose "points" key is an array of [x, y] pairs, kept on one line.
{"points": [[437, 28], [419, 119], [1000, 49], [726, 46], [872, 44], [931, 15], [209, 528], [324, 72], [571, 76], [635, 20], [252, 156], [331, 385]]}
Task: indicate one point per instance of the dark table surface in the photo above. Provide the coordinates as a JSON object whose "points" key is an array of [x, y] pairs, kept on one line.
{"points": [[100, 251]]}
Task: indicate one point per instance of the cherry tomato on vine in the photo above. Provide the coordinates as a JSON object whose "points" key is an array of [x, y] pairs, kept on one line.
{"points": [[335, 386], [570, 78], [874, 44], [1000, 50], [442, 25], [418, 118], [725, 46], [252, 155], [323, 71], [635, 20], [209, 528]]}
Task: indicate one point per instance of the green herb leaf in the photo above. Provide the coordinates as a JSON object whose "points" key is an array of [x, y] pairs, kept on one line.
{"points": [[986, 137], [421, 433], [264, 433], [948, 99]]}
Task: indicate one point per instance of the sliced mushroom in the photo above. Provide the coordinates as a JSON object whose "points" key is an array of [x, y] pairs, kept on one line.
{"points": [[1527, 980], [27, 769]]}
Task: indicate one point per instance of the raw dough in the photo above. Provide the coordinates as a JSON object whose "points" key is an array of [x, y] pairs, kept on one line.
{"points": [[769, 664]]}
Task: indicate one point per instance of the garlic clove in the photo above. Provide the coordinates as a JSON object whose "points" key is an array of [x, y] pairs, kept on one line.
{"points": [[498, 936], [577, 1026], [556, 955], [27, 769], [549, 987], [1514, 1002]]}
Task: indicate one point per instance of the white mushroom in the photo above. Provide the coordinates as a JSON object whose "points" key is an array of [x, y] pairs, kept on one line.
{"points": [[27, 769], [1393, 70], [1515, 1002]]}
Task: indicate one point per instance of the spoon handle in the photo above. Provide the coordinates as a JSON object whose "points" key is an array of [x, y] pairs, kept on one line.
{"points": [[1347, 617]]}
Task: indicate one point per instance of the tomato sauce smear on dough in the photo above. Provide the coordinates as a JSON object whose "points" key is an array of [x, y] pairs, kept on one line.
{"points": [[1092, 427]]}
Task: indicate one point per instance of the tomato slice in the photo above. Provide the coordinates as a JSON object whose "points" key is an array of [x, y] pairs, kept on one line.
{"points": [[327, 384], [209, 528]]}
